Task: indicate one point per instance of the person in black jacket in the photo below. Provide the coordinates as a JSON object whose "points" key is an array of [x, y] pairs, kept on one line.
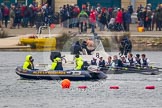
{"points": [[125, 46], [39, 20], [101, 62], [94, 61], [77, 48]]}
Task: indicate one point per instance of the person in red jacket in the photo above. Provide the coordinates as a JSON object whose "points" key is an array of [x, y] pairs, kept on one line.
{"points": [[6, 13], [92, 18], [119, 17], [119, 20]]}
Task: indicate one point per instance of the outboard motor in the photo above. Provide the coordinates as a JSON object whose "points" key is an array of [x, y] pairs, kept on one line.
{"points": [[54, 55]]}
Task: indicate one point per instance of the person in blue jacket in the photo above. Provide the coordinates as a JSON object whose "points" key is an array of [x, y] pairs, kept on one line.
{"points": [[94, 61], [101, 62]]}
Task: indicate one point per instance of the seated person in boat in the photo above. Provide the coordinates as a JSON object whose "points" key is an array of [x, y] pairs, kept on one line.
{"points": [[131, 59], [137, 60], [125, 62], [56, 64], [90, 42], [79, 62], [94, 61], [77, 49], [116, 62], [101, 62], [144, 61], [88, 50], [109, 61], [28, 64]]}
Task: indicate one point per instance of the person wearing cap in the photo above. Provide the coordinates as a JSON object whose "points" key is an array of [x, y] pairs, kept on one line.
{"points": [[101, 62], [94, 61], [144, 61], [83, 20], [28, 64], [79, 62]]}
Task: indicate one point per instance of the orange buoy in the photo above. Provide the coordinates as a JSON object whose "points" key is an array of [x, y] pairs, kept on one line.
{"points": [[114, 87], [65, 83], [150, 87], [82, 87], [52, 26]]}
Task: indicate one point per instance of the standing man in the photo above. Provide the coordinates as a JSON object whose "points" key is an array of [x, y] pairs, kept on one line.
{"points": [[6, 13], [83, 20], [126, 20], [92, 18], [12, 16]]}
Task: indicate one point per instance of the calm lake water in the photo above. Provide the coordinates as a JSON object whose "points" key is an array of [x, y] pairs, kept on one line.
{"points": [[18, 93]]}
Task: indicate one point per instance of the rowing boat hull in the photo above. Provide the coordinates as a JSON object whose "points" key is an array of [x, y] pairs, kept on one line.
{"points": [[146, 71]]}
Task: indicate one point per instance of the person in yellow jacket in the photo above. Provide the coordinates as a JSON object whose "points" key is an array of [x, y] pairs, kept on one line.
{"points": [[56, 64], [79, 62], [28, 64]]}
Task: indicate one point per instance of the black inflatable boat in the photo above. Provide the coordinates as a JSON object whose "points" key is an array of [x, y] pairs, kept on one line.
{"points": [[59, 75]]}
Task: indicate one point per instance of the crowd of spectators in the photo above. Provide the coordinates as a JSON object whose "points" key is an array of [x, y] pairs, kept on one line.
{"points": [[115, 19], [72, 16], [148, 17], [25, 16]]}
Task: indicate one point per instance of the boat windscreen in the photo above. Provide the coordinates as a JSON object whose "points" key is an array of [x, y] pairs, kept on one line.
{"points": [[100, 46]]}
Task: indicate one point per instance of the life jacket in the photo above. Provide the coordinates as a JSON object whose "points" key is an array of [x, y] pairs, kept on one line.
{"points": [[131, 61], [59, 64], [102, 63], [138, 61], [145, 63], [28, 64], [120, 64], [79, 63], [93, 62], [117, 63], [109, 63]]}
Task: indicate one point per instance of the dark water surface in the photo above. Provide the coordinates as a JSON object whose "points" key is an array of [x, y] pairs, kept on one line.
{"points": [[17, 93]]}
